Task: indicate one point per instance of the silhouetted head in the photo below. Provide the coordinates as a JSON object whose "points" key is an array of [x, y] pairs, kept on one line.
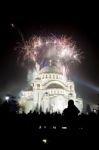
{"points": [[70, 103]]}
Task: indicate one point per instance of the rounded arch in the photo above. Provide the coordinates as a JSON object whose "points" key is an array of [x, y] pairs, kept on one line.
{"points": [[54, 84]]}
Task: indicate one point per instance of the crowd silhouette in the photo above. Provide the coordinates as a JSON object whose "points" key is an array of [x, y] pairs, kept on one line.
{"points": [[56, 127]]}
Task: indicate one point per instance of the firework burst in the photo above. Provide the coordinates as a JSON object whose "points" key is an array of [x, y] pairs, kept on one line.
{"points": [[60, 51]]}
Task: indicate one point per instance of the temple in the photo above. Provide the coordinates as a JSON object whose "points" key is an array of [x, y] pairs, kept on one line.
{"points": [[48, 91]]}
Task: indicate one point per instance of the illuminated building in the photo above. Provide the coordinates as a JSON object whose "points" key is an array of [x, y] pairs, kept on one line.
{"points": [[49, 91]]}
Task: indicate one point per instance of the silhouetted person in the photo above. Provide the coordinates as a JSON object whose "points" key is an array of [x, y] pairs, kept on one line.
{"points": [[72, 110], [88, 109], [5, 107], [71, 115]]}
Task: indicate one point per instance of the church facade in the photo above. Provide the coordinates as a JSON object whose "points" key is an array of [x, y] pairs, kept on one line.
{"points": [[48, 91]]}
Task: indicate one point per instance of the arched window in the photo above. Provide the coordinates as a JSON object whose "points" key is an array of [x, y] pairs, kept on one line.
{"points": [[70, 94], [38, 85], [53, 76], [50, 76], [70, 87]]}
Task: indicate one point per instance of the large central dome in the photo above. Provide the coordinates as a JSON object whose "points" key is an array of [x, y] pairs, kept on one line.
{"points": [[51, 69], [50, 91]]}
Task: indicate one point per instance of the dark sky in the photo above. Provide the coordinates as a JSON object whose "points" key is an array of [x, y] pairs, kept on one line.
{"points": [[80, 21]]}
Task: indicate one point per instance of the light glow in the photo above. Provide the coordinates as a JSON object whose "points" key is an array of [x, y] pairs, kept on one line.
{"points": [[44, 141], [39, 50], [50, 58]]}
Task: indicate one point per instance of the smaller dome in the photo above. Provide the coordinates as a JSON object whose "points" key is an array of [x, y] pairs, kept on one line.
{"points": [[51, 69]]}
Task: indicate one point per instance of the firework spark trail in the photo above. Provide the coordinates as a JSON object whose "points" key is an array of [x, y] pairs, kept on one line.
{"points": [[61, 50]]}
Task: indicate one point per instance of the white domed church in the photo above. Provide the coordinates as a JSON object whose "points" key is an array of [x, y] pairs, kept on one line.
{"points": [[49, 91]]}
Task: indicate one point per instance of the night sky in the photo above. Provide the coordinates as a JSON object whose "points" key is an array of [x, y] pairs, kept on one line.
{"points": [[77, 21]]}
